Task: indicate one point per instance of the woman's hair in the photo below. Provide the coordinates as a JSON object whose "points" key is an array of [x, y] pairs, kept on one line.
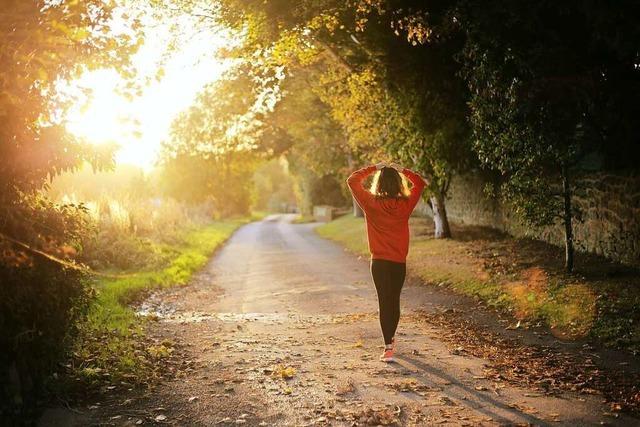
{"points": [[388, 183]]}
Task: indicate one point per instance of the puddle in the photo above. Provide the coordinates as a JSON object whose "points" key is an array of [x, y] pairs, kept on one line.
{"points": [[169, 314], [274, 317], [188, 317], [155, 307]]}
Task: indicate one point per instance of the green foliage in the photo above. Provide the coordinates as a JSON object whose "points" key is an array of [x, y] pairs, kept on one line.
{"points": [[228, 116], [389, 98], [224, 180], [40, 300], [317, 141], [41, 224], [539, 82], [215, 144], [387, 119], [41, 44], [360, 103], [129, 223], [133, 233], [327, 190], [113, 248]]}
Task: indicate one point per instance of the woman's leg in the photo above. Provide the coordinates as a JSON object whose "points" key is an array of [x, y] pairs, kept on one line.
{"points": [[397, 272], [388, 277], [380, 275]]}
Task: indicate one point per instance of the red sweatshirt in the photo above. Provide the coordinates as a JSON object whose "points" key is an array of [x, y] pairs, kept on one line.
{"points": [[387, 218]]}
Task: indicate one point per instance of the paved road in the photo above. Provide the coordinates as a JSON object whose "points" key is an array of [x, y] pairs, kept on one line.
{"points": [[278, 301]]}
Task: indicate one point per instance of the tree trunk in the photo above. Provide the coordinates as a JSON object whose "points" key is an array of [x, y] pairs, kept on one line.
{"points": [[442, 229], [357, 211], [567, 220]]}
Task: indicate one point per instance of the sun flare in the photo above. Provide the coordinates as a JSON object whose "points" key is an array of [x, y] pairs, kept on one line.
{"points": [[139, 125]]}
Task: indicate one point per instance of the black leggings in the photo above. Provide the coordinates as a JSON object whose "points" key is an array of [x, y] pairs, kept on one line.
{"points": [[388, 276]]}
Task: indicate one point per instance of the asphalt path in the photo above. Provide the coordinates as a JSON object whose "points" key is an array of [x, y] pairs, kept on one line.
{"points": [[281, 328]]}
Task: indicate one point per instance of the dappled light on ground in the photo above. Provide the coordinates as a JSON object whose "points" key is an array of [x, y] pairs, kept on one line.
{"points": [[569, 308]]}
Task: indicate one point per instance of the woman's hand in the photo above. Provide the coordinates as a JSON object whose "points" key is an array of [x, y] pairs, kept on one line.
{"points": [[396, 167], [381, 165]]}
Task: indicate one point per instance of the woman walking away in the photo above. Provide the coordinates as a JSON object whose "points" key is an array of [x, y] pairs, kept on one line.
{"points": [[387, 207]]}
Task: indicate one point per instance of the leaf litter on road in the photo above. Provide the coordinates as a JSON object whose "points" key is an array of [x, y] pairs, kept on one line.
{"points": [[549, 371], [284, 372]]}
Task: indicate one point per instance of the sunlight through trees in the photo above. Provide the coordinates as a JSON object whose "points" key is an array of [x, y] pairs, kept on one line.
{"points": [[133, 131]]}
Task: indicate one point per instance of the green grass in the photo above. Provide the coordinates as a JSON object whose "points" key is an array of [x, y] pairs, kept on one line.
{"points": [[112, 344], [428, 258], [348, 231], [111, 308], [258, 215], [303, 219]]}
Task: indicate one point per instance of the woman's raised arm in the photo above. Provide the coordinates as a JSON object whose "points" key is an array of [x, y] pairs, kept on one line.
{"points": [[418, 185], [355, 181]]}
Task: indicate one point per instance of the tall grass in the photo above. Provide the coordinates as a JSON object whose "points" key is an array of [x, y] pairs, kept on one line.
{"points": [[131, 234]]}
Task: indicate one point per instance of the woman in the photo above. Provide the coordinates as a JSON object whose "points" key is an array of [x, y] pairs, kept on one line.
{"points": [[387, 207]]}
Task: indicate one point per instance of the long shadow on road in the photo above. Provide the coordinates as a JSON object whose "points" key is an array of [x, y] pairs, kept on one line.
{"points": [[480, 402]]}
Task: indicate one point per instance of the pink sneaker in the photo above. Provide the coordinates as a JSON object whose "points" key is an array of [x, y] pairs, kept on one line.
{"points": [[387, 356]]}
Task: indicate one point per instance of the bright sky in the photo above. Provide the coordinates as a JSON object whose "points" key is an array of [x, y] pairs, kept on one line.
{"points": [[110, 117]]}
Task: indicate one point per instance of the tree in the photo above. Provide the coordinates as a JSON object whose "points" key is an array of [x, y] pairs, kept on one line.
{"points": [[273, 189], [545, 79], [317, 147], [408, 97], [394, 122], [225, 180], [390, 97], [215, 144]]}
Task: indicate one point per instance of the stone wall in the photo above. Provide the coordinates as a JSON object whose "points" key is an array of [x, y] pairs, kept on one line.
{"points": [[610, 206]]}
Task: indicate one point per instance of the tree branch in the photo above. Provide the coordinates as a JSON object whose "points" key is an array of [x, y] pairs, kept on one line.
{"points": [[336, 57]]}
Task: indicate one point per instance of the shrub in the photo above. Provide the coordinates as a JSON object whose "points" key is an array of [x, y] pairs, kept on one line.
{"points": [[40, 308], [41, 300]]}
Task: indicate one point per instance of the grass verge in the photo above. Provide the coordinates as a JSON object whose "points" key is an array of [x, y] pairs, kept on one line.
{"points": [[112, 348], [303, 219], [524, 277]]}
